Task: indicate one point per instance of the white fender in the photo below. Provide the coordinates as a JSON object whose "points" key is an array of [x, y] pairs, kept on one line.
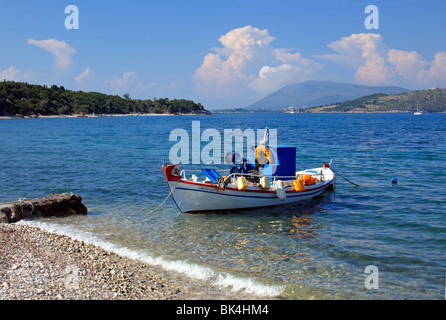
{"points": [[264, 183], [280, 190]]}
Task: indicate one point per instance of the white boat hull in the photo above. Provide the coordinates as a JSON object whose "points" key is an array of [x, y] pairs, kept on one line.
{"points": [[196, 197]]}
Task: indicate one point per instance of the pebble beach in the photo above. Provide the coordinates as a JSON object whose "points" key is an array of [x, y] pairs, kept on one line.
{"points": [[39, 265]]}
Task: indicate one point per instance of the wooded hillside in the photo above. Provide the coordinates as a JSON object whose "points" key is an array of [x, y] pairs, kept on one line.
{"points": [[27, 99], [432, 100]]}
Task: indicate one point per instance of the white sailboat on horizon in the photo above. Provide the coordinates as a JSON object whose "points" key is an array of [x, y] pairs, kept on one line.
{"points": [[418, 112]]}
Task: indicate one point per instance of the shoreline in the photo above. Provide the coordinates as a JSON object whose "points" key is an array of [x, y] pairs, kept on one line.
{"points": [[100, 116], [198, 114], [41, 265]]}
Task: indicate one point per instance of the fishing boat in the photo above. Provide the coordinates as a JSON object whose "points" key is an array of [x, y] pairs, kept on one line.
{"points": [[272, 181]]}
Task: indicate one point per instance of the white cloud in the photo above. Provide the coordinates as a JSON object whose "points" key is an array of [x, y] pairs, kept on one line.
{"points": [[117, 85], [294, 68], [60, 50], [130, 82], [274, 78], [10, 74], [407, 63], [87, 74], [366, 53], [376, 64], [436, 75], [411, 66], [248, 42], [248, 61]]}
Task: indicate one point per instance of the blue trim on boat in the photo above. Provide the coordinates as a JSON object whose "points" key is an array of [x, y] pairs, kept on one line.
{"points": [[320, 190]]}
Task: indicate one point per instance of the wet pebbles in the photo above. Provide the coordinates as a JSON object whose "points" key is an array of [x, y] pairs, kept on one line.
{"points": [[36, 264]]}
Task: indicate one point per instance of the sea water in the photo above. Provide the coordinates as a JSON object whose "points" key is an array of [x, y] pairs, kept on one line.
{"points": [[317, 249]]}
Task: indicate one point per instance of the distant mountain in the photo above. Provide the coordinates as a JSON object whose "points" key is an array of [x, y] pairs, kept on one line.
{"points": [[431, 100], [316, 93]]}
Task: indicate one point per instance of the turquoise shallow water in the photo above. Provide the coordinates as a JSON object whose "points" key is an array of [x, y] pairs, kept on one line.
{"points": [[314, 249]]}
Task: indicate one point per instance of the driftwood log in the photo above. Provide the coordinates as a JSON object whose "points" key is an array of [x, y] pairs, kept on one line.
{"points": [[52, 205]]}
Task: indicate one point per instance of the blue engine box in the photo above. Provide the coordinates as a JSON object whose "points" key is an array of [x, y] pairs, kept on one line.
{"points": [[284, 165]]}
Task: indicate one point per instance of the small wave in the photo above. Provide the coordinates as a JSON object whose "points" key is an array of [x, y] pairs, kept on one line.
{"points": [[217, 278]]}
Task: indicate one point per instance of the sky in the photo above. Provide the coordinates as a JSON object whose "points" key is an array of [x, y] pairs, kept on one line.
{"points": [[223, 54]]}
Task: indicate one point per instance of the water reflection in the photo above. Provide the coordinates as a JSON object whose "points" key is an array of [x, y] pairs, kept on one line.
{"points": [[302, 227], [274, 242]]}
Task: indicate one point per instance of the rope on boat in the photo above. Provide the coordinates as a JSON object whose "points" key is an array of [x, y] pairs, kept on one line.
{"points": [[343, 177], [149, 213]]}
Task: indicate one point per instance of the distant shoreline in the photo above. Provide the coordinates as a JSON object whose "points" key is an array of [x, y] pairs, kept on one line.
{"points": [[98, 115], [194, 114]]}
